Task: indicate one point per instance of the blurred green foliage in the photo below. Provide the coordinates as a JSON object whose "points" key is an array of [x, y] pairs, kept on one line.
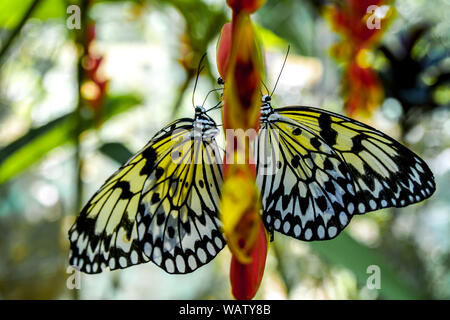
{"points": [[20, 154]]}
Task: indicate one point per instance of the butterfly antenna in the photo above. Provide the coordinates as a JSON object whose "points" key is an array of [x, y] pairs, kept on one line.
{"points": [[265, 87], [282, 67], [218, 105], [213, 90], [199, 70]]}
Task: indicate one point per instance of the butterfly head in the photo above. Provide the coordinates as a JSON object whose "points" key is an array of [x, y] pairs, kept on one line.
{"points": [[204, 124], [199, 110], [266, 99]]}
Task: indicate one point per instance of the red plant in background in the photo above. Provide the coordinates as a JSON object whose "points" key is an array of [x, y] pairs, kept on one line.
{"points": [[94, 85], [240, 65], [361, 23], [247, 6]]}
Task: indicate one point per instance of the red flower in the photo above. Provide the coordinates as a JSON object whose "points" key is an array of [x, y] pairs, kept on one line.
{"points": [[94, 87], [364, 92], [240, 65], [248, 6], [361, 28], [245, 278]]}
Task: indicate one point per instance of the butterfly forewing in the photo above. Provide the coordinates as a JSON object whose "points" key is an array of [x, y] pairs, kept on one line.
{"points": [[332, 167]]}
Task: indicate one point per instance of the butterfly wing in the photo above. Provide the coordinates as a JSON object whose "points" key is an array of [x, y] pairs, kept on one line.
{"points": [[107, 233], [330, 167], [179, 225]]}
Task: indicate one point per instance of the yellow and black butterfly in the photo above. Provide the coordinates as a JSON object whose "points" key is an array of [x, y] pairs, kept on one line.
{"points": [[316, 169], [160, 206]]}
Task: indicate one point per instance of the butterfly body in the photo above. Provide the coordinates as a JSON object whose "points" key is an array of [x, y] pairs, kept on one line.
{"points": [[266, 109], [204, 124]]}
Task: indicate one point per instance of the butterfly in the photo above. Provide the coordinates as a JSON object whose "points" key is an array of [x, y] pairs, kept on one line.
{"points": [[160, 206], [317, 169]]}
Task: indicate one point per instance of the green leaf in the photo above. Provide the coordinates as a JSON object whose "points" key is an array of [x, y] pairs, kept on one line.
{"points": [[347, 252], [293, 21], [116, 151], [11, 11], [203, 22], [25, 151], [269, 39]]}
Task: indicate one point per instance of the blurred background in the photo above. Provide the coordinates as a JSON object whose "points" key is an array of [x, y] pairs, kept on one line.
{"points": [[67, 123]]}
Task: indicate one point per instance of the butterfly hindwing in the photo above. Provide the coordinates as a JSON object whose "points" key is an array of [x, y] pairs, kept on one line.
{"points": [[330, 168], [305, 191]]}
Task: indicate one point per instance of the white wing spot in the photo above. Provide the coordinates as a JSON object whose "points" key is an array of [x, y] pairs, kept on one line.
{"points": [[321, 232], [147, 249], [134, 257], [277, 224], [218, 242], [332, 231], [73, 236], [180, 263], [297, 230], [211, 249], [350, 189], [201, 255], [361, 207], [192, 262], [350, 208], [286, 227], [141, 231], [112, 263], [419, 167], [123, 262], [157, 258], [343, 218], [170, 267], [308, 234]]}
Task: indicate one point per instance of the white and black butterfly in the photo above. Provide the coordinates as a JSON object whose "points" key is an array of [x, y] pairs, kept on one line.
{"points": [[160, 206], [316, 169]]}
